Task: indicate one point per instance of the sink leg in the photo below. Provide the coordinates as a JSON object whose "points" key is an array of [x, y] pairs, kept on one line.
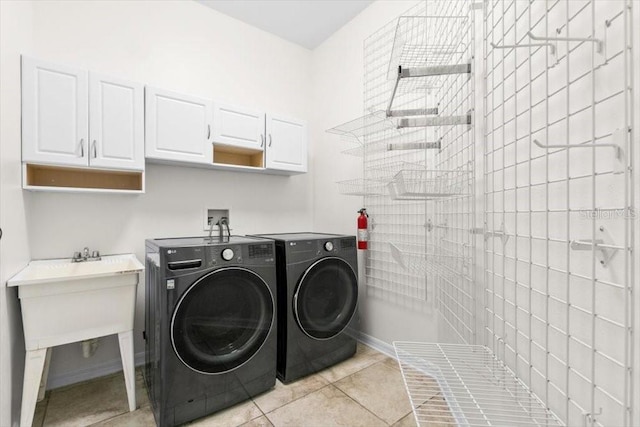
{"points": [[45, 376], [33, 365], [126, 352]]}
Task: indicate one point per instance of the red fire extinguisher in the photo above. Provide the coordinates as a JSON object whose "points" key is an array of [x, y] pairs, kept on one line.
{"points": [[363, 230]]}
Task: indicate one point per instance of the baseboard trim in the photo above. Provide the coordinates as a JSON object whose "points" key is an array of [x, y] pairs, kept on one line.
{"points": [[96, 371], [376, 344]]}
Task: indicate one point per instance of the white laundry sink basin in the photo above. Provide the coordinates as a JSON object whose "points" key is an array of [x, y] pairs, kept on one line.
{"points": [[64, 302], [57, 270]]}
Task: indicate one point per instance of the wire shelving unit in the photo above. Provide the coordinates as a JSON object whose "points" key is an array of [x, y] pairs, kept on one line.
{"points": [[553, 307], [558, 281]]}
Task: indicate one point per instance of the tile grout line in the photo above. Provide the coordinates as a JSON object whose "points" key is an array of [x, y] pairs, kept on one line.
{"points": [[352, 398], [355, 372], [318, 373], [332, 383], [259, 409], [294, 400], [108, 419], [362, 406]]}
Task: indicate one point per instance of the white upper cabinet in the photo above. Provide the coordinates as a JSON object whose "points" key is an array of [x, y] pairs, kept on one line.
{"points": [[54, 114], [116, 123], [238, 126], [71, 117], [178, 127], [286, 144]]}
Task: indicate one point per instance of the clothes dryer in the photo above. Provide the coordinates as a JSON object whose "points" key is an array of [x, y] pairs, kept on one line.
{"points": [[317, 301]]}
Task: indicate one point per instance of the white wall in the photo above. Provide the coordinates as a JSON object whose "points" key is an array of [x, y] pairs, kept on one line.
{"points": [[338, 67], [15, 36], [177, 45]]}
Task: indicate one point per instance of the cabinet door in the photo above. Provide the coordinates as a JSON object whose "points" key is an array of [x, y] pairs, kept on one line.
{"points": [[286, 144], [116, 123], [178, 127], [54, 114], [238, 126]]}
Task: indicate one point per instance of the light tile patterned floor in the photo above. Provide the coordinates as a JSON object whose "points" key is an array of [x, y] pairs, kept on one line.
{"points": [[366, 390]]}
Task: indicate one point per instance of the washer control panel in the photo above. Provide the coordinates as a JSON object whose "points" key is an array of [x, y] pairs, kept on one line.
{"points": [[251, 254]]}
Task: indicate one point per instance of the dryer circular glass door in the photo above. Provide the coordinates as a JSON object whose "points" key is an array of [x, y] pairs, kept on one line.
{"points": [[222, 320], [326, 298]]}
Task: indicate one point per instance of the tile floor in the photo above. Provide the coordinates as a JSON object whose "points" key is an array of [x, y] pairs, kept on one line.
{"points": [[366, 390]]}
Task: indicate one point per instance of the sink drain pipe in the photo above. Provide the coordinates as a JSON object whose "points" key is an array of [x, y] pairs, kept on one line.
{"points": [[89, 347]]}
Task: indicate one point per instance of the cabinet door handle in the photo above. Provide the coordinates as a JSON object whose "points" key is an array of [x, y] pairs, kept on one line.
{"points": [[95, 149], [270, 140], [208, 131], [261, 140], [81, 147]]}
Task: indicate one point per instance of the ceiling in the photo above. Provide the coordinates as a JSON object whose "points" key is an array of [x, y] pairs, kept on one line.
{"points": [[304, 22]]}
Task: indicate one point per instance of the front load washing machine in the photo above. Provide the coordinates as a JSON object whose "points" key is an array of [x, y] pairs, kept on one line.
{"points": [[317, 301], [210, 325]]}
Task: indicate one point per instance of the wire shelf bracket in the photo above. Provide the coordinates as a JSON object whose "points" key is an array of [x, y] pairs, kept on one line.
{"points": [[599, 43], [617, 144], [551, 46], [415, 145], [605, 251], [434, 121], [501, 233], [588, 245], [432, 71], [413, 112], [436, 70]]}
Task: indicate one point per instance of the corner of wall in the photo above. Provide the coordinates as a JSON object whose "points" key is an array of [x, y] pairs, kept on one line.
{"points": [[16, 35]]}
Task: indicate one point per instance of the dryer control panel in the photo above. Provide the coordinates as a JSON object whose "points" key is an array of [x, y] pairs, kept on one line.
{"points": [[322, 246], [303, 250]]}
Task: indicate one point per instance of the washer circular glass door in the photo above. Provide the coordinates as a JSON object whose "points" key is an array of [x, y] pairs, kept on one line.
{"points": [[326, 298], [222, 320]]}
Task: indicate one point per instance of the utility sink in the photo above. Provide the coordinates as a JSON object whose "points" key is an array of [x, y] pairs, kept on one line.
{"points": [[55, 270], [64, 302]]}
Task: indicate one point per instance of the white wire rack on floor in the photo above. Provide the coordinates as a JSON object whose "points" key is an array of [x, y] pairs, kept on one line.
{"points": [[466, 385]]}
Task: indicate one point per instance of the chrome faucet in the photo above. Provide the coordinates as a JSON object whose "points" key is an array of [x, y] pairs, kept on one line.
{"points": [[85, 256]]}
